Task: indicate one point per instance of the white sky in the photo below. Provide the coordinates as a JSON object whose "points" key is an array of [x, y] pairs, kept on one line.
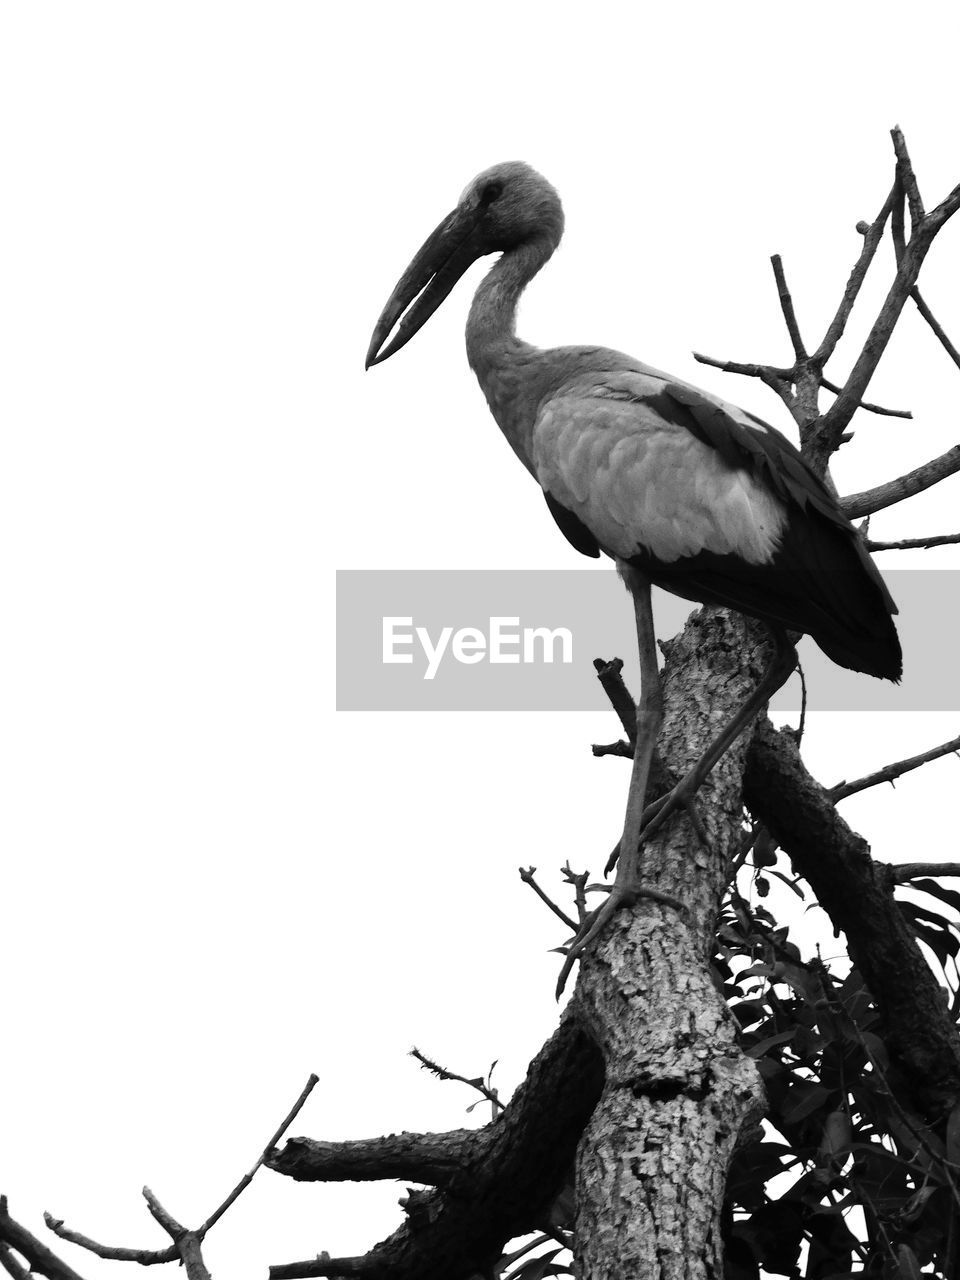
{"points": [[213, 883]]}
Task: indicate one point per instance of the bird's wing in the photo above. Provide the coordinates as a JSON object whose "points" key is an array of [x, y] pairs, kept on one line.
{"points": [[644, 462]]}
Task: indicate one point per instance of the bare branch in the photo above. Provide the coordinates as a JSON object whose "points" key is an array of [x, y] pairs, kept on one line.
{"points": [[527, 877], [43, 1261], [786, 306], [945, 209], [521, 1162], [187, 1242], [907, 175], [248, 1177], [11, 1265], [871, 238], [619, 748], [866, 405], [931, 320], [434, 1159], [914, 544], [763, 371], [578, 880], [892, 771], [610, 675], [909, 261], [904, 872], [115, 1253], [324, 1265], [443, 1074], [899, 246], [906, 486]]}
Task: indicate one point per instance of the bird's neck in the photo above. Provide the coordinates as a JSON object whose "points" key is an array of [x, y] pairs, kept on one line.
{"points": [[505, 366]]}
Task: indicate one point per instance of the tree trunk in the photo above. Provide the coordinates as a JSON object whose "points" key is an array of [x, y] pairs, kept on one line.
{"points": [[678, 1093]]}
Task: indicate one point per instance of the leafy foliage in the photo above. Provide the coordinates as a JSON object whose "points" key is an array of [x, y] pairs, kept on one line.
{"points": [[842, 1180]]}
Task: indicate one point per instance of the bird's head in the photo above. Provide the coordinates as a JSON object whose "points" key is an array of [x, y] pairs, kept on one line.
{"points": [[506, 206]]}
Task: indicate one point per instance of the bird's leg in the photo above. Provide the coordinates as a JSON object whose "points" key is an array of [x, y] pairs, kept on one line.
{"points": [[776, 675], [627, 886]]}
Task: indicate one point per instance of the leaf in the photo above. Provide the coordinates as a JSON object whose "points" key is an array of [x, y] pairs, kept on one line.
{"points": [[913, 1207], [537, 1268], [759, 1049], [953, 1135], [936, 890], [909, 1266], [803, 1098], [835, 1144]]}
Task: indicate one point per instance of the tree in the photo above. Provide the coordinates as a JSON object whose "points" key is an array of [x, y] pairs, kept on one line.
{"points": [[636, 1138]]}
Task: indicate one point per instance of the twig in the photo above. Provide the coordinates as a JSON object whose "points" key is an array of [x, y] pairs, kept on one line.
{"points": [[115, 1253], [248, 1177], [610, 675], [905, 486], [579, 881], [931, 320], [619, 748], [871, 238], [907, 176], [891, 771], [901, 873], [11, 1265], [925, 229], [911, 544], [187, 1242], [786, 306], [42, 1260], [865, 404], [443, 1074], [527, 877], [900, 248]]}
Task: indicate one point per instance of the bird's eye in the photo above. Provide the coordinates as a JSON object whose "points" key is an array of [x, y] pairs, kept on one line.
{"points": [[492, 191]]}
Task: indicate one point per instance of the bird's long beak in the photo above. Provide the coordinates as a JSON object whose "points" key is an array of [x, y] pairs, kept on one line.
{"points": [[441, 261]]}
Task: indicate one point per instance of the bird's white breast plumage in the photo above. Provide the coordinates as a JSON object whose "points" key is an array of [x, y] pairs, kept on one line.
{"points": [[605, 451]]}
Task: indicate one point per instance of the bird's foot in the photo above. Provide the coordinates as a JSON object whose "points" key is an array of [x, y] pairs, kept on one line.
{"points": [[682, 796], [620, 895]]}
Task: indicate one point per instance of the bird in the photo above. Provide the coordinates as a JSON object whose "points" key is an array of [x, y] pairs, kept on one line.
{"points": [[683, 490]]}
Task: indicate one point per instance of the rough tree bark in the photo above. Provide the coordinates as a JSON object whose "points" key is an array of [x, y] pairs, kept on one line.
{"points": [[678, 1092]]}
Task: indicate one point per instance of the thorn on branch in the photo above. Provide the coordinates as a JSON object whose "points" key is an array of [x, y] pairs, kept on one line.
{"points": [[893, 771], [477, 1082]]}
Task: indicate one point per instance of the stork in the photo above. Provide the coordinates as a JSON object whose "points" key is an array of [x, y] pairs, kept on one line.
{"points": [[683, 490]]}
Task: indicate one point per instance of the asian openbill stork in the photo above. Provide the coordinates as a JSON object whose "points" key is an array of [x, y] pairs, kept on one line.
{"points": [[682, 489]]}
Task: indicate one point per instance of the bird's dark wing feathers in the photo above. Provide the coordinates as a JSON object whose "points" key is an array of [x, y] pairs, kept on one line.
{"points": [[770, 456], [573, 528]]}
